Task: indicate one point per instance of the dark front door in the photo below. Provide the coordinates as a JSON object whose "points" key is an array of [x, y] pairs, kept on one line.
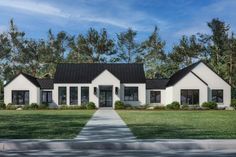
{"points": [[105, 96]]}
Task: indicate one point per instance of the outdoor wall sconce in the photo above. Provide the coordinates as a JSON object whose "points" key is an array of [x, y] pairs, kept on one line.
{"points": [[95, 90], [116, 90]]}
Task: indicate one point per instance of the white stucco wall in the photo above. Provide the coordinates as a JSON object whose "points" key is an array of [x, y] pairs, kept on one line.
{"points": [[21, 83], [190, 81], [105, 79], [214, 82], [163, 96], [68, 85], [169, 95], [141, 93]]}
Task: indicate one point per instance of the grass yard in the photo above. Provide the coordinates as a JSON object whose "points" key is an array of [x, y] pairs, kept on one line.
{"points": [[42, 124], [181, 124]]}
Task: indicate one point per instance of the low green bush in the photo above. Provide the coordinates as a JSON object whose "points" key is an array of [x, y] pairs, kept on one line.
{"points": [[43, 106], [159, 108], [233, 103], [184, 107], [34, 106], [173, 106], [2, 106], [26, 107], [119, 105], [210, 105], [11, 107], [90, 106]]}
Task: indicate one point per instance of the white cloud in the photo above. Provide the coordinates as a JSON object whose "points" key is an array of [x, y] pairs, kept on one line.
{"points": [[34, 7], [115, 14]]}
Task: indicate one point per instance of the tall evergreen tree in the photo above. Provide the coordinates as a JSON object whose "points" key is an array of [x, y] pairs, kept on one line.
{"points": [[127, 47], [187, 51], [153, 55], [93, 47]]}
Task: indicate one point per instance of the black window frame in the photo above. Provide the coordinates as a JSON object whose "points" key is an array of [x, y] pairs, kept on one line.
{"points": [[190, 94], [81, 94], [128, 94], [74, 101], [217, 95], [47, 96], [59, 97], [17, 97], [154, 99]]}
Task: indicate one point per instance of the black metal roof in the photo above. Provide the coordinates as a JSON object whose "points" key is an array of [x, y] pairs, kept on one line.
{"points": [[86, 72], [156, 83], [31, 79], [45, 83], [181, 73], [41, 83]]}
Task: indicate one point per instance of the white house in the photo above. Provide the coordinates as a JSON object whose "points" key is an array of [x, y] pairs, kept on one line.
{"points": [[103, 84]]}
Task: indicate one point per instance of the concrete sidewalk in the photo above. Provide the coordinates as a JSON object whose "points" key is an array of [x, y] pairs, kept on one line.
{"points": [[105, 126]]}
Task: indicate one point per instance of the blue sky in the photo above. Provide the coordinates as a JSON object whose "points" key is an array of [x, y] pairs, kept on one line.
{"points": [[174, 18]]}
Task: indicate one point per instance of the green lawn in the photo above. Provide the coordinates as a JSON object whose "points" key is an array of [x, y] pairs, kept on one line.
{"points": [[181, 124], [42, 124]]}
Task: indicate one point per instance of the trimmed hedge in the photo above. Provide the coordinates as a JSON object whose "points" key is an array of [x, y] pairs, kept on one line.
{"points": [[90, 106], [119, 105], [2, 106], [233, 103], [173, 106], [210, 105]]}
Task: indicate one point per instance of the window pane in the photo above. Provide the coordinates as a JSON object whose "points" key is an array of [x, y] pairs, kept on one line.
{"points": [[49, 97], [217, 96], [189, 97], [155, 96], [46, 96], [14, 97], [20, 97], [62, 95], [131, 94], [73, 95], [84, 95]]}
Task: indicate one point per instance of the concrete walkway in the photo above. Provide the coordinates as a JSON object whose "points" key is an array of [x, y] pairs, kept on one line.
{"points": [[105, 126]]}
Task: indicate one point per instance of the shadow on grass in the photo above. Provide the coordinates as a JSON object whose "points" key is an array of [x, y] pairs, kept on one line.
{"points": [[36, 125], [165, 131]]}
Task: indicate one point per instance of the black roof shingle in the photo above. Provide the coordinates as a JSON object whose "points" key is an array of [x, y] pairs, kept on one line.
{"points": [[181, 73], [45, 83], [156, 83], [86, 72]]}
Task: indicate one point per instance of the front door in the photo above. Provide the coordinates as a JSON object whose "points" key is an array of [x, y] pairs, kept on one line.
{"points": [[105, 96]]}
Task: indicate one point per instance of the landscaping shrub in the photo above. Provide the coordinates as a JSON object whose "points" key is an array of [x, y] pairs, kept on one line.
{"points": [[63, 107], [10, 106], [209, 105], [34, 106], [2, 106], [90, 106], [184, 107], [233, 103], [26, 107], [119, 105], [43, 106], [173, 106], [159, 108]]}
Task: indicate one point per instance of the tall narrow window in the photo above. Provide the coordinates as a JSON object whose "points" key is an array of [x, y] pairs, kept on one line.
{"points": [[20, 97], [46, 97], [155, 97], [84, 95], [189, 97], [131, 94], [73, 95], [62, 95], [217, 96]]}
